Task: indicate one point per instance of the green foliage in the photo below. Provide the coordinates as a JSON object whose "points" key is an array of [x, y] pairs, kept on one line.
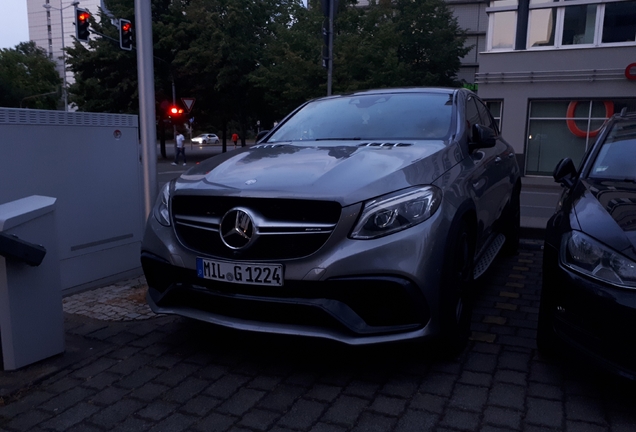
{"points": [[28, 77], [246, 60]]}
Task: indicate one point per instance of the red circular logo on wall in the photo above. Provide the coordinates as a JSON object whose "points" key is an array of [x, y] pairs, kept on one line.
{"points": [[630, 72]]}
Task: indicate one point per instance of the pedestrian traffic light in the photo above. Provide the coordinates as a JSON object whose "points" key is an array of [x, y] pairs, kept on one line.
{"points": [[125, 34], [81, 24]]}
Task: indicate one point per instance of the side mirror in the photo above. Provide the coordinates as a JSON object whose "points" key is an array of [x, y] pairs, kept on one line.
{"points": [[260, 135], [483, 137], [565, 172]]}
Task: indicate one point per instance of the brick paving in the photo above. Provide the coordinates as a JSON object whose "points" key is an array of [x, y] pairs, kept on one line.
{"points": [[159, 373]]}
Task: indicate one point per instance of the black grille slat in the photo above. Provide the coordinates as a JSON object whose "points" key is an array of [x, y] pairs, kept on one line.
{"points": [[272, 246]]}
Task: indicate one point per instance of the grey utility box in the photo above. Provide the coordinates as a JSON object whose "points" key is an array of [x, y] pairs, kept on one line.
{"points": [[90, 162], [31, 314]]}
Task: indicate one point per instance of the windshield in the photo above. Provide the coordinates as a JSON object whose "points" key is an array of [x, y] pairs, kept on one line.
{"points": [[617, 158], [371, 117]]}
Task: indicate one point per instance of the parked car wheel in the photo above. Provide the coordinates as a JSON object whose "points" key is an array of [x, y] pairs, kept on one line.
{"points": [[512, 224], [457, 292]]}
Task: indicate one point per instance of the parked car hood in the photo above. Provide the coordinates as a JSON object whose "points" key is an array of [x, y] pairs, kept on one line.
{"points": [[606, 210], [346, 171]]}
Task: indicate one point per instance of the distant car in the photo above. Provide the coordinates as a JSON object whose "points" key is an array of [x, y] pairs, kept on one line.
{"points": [[204, 139], [588, 299], [361, 218]]}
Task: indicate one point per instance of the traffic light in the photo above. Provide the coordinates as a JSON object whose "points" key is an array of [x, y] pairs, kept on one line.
{"points": [[175, 111], [125, 34], [81, 24]]}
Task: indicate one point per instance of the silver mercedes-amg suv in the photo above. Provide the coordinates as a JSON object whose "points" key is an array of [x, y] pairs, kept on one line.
{"points": [[361, 218]]}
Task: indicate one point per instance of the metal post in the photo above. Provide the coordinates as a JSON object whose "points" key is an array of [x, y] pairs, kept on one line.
{"points": [[146, 78], [330, 65], [64, 92], [174, 126], [48, 7]]}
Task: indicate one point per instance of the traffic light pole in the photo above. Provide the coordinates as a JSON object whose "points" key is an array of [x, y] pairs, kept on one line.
{"points": [[61, 9], [330, 65], [146, 78], [174, 126]]}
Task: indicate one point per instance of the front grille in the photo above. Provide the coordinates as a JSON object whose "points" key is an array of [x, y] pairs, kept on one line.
{"points": [[286, 228]]}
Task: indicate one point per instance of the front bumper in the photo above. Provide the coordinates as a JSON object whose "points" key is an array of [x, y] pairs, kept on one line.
{"points": [[594, 318], [352, 291]]}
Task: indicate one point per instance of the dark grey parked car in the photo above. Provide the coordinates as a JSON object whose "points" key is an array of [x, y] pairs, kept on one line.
{"points": [[361, 218]]}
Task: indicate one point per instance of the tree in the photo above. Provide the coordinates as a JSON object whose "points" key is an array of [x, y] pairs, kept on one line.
{"points": [[28, 78], [248, 60], [431, 42]]}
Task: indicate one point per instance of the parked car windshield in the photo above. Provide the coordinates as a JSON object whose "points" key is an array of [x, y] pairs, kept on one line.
{"points": [[387, 116], [616, 159]]}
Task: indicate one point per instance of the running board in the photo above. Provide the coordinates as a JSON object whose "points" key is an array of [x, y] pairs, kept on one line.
{"points": [[489, 256]]}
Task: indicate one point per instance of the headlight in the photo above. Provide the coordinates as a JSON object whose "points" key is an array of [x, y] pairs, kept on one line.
{"points": [[588, 256], [162, 210], [397, 211]]}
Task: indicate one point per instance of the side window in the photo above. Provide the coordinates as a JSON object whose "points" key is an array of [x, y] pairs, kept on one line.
{"points": [[486, 117], [472, 115]]}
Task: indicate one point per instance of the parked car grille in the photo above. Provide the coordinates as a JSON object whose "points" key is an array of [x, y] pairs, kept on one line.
{"points": [[289, 228]]}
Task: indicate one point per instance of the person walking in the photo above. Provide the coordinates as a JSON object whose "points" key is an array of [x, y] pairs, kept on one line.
{"points": [[179, 142], [235, 138]]}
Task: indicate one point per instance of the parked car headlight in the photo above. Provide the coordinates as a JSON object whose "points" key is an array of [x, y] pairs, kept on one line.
{"points": [[396, 211], [582, 253], [162, 209]]}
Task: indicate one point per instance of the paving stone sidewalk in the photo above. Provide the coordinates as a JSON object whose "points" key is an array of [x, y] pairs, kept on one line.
{"points": [[159, 373]]}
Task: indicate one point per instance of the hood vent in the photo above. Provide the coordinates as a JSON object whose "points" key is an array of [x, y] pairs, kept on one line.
{"points": [[384, 144], [266, 146]]}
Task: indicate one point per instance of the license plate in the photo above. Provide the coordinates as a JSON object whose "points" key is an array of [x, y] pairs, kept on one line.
{"points": [[240, 273]]}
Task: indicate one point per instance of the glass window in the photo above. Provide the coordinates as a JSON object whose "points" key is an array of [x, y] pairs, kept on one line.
{"points": [[501, 3], [495, 109], [558, 129], [579, 23], [486, 117], [504, 28], [619, 24], [371, 117], [541, 27], [616, 158]]}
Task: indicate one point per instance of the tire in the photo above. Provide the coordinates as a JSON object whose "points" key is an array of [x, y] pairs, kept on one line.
{"points": [[456, 293], [216, 142], [512, 224], [204, 142]]}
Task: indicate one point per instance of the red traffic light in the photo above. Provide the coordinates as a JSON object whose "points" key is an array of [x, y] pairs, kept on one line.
{"points": [[176, 110], [82, 24], [125, 34]]}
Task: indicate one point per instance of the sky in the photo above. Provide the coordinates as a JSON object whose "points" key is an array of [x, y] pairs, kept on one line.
{"points": [[14, 26]]}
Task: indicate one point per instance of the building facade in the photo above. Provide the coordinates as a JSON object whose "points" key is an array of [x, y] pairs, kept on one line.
{"points": [[471, 16], [554, 70]]}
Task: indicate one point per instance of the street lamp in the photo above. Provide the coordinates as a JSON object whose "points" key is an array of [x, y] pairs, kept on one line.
{"points": [[48, 7]]}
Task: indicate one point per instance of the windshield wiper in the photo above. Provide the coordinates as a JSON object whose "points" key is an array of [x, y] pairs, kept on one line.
{"points": [[339, 139]]}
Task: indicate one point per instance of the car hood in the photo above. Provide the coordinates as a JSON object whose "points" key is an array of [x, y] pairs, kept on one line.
{"points": [[607, 211], [339, 171]]}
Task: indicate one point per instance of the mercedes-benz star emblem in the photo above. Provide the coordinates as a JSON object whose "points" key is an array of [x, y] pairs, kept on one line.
{"points": [[237, 229]]}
